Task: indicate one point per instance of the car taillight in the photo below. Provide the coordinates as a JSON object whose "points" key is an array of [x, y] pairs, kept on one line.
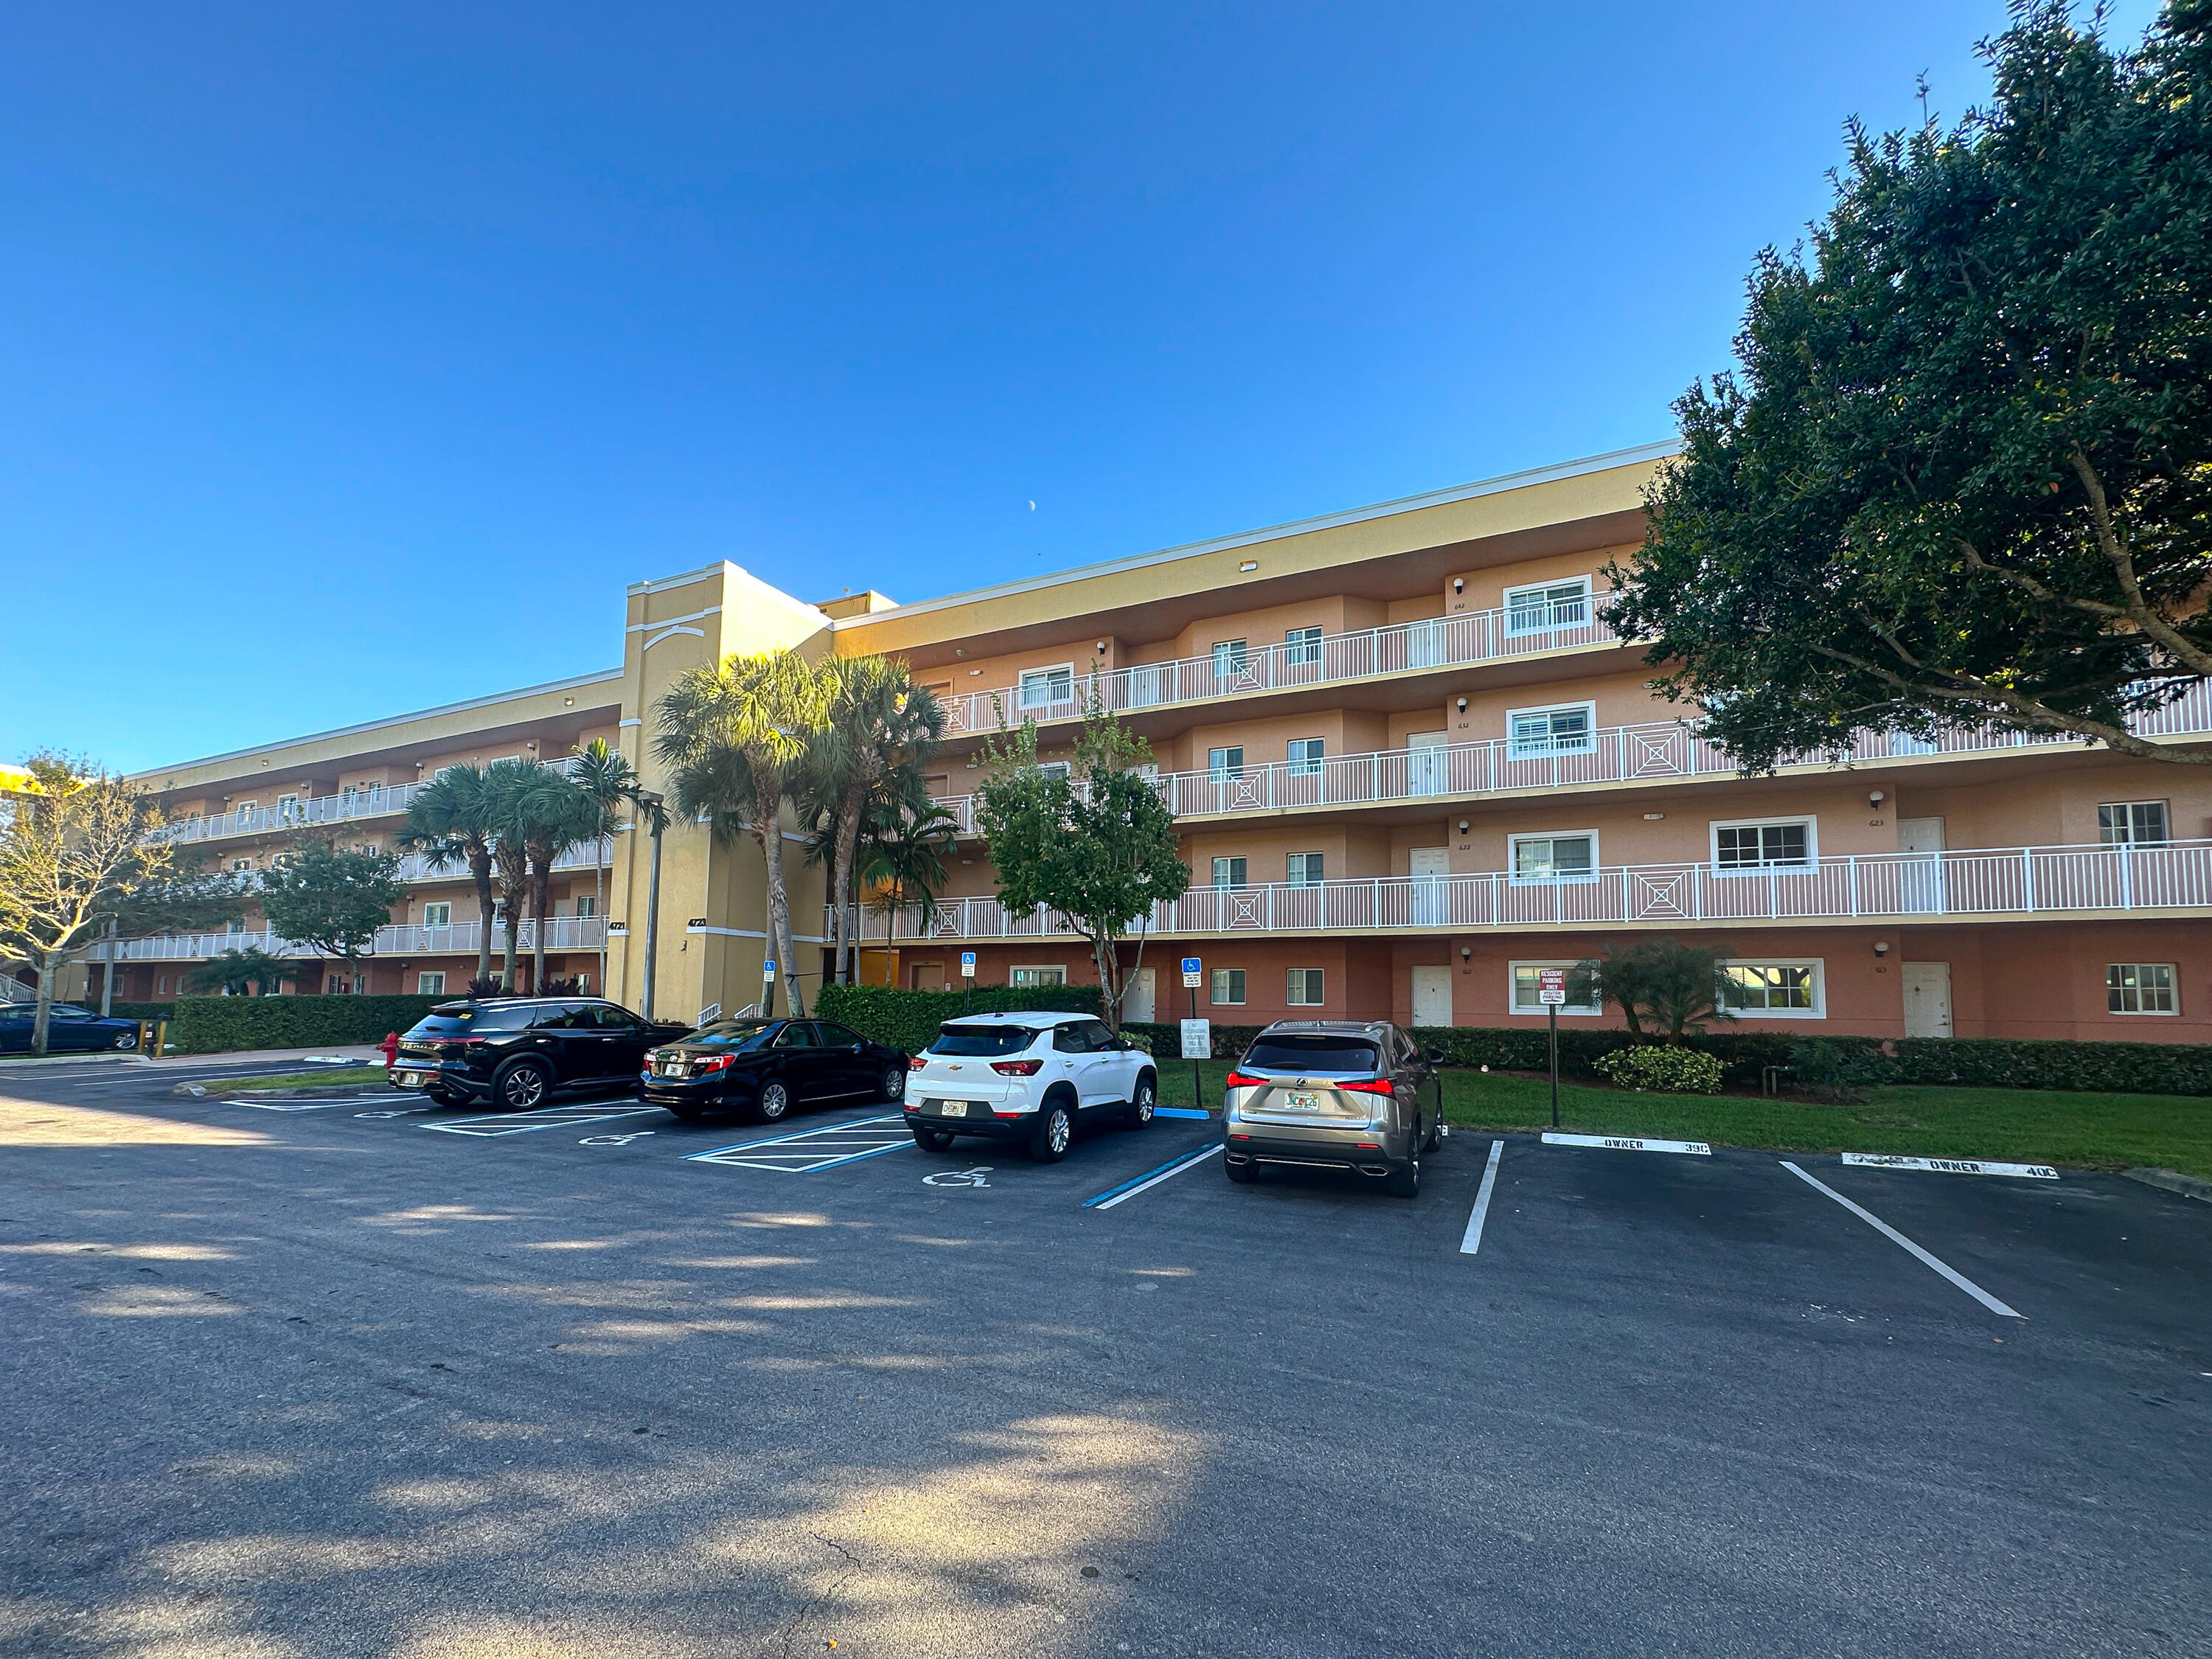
{"points": [[917, 1062], [1017, 1068], [717, 1063], [1367, 1085], [1245, 1081]]}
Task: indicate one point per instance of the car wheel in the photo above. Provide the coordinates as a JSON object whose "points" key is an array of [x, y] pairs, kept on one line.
{"points": [[775, 1103], [1430, 1137], [522, 1085], [441, 1097], [126, 1039], [895, 1082], [1054, 1133], [1405, 1180], [1141, 1104], [1241, 1173], [931, 1140]]}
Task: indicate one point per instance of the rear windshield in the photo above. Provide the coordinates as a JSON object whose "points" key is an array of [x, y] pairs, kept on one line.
{"points": [[982, 1040], [464, 1022], [1346, 1055], [732, 1033]]}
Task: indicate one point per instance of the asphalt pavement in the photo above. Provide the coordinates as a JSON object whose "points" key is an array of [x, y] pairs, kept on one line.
{"points": [[362, 1379]]}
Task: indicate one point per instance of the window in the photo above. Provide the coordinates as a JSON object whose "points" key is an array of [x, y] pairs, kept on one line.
{"points": [[1229, 988], [287, 808], [1527, 986], [244, 807], [1305, 870], [1532, 733], [1051, 974], [2132, 823], [1229, 872], [2139, 987], [1229, 656], [584, 984], [161, 985], [438, 915], [1042, 687], [586, 905], [1555, 858], [1768, 844], [1547, 605], [1053, 769], [1302, 646], [1306, 754], [1305, 987], [797, 1035], [428, 984], [1222, 764], [832, 1036], [337, 985], [241, 864], [1342, 1056], [1785, 988]]}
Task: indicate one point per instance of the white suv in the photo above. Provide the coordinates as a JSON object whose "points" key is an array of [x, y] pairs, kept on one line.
{"points": [[1026, 1076]]}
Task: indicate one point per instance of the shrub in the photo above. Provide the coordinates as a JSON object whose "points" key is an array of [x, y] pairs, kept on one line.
{"points": [[909, 1020], [1839, 1071], [1667, 1069], [211, 1025], [131, 1009]]}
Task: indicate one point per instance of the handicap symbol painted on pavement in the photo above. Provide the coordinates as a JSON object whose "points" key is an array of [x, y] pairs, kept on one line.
{"points": [[959, 1177], [614, 1140]]}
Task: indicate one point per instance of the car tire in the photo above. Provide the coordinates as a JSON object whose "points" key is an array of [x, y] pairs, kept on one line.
{"points": [[894, 1087], [931, 1140], [1143, 1102], [441, 1097], [126, 1039], [1241, 1173], [772, 1104], [1054, 1133], [1405, 1180], [522, 1085]]}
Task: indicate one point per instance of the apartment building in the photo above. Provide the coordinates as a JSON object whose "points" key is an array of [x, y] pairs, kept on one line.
{"points": [[1410, 766]]}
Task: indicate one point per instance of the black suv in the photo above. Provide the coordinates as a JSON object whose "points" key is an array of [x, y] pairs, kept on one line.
{"points": [[515, 1051], [768, 1067]]}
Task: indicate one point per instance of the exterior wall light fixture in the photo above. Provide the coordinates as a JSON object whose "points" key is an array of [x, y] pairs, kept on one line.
{"points": [[1653, 817], [1467, 953], [1462, 826], [1249, 564], [1459, 584], [1881, 947], [1874, 797], [1462, 705]]}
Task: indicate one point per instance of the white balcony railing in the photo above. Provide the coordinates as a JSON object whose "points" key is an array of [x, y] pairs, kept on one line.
{"points": [[377, 800], [399, 939], [2038, 881], [1613, 754], [1434, 642], [419, 866]]}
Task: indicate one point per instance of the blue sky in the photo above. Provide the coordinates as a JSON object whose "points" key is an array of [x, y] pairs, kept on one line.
{"points": [[357, 355]]}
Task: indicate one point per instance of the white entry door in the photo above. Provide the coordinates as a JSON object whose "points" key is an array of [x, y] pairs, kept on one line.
{"points": [[1425, 764], [1920, 880], [1927, 999], [1137, 1004], [1429, 865], [1433, 996]]}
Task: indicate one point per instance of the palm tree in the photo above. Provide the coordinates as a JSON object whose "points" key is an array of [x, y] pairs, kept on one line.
{"points": [[880, 723], [552, 817], [606, 777], [734, 735], [450, 821], [900, 862], [233, 971], [505, 783]]}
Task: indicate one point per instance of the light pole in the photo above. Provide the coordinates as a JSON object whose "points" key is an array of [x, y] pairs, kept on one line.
{"points": [[656, 821]]}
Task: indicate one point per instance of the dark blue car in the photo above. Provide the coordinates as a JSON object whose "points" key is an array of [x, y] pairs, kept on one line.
{"points": [[70, 1030]]}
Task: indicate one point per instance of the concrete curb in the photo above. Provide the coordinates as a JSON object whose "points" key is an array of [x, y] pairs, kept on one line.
{"points": [[105, 1057], [2173, 1181], [336, 1092]]}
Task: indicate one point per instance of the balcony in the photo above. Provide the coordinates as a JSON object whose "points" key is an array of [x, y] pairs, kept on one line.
{"points": [[2019, 884], [346, 806], [1475, 636], [420, 866], [1654, 750], [399, 939]]}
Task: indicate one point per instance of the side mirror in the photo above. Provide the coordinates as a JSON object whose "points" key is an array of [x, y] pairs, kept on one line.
{"points": [[1435, 1056]]}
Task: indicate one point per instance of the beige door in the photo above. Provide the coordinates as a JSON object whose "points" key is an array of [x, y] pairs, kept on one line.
{"points": [[1920, 880], [927, 976], [1433, 996], [1927, 999], [1425, 762], [1429, 865], [1138, 1005]]}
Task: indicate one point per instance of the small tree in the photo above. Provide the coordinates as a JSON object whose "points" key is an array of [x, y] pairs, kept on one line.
{"points": [[331, 901], [450, 821], [1664, 988], [235, 972], [1964, 475], [900, 863], [1094, 845]]}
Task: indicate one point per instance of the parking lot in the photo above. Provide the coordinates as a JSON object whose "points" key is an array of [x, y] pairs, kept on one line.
{"points": [[352, 1376]]}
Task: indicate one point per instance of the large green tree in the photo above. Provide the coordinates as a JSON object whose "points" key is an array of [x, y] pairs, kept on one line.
{"points": [[1090, 842], [330, 900], [1963, 474], [452, 820], [606, 777]]}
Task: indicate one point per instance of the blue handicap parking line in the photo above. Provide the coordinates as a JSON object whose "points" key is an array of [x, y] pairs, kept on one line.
{"points": [[1181, 1111], [1135, 1184]]}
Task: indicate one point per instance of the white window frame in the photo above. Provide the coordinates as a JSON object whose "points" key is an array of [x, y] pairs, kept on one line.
{"points": [[1230, 657], [1301, 998], [423, 987], [1021, 698], [1514, 877], [2129, 838], [1812, 844], [1818, 964], [1551, 605], [1014, 974], [1302, 646], [445, 921], [1231, 859], [588, 899], [1306, 756], [1567, 1011], [1293, 877], [241, 808], [1223, 981], [1550, 748], [1223, 770], [2171, 988]]}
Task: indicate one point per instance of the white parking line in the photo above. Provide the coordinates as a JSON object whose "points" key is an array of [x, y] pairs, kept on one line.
{"points": [[1168, 1171], [1473, 1242], [806, 1151], [545, 1117], [1981, 1166], [1900, 1239], [309, 1105], [1628, 1144]]}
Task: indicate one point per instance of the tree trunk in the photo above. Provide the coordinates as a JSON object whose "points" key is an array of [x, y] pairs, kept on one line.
{"points": [[779, 915], [45, 1014], [842, 881], [480, 871], [541, 880], [1107, 960], [599, 912]]}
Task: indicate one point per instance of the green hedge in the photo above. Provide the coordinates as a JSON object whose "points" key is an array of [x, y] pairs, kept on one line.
{"points": [[2133, 1068], [213, 1025], [909, 1020], [133, 1010]]}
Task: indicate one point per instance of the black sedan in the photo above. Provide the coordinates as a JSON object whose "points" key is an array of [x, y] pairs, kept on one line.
{"points": [[68, 1031], [770, 1067]]}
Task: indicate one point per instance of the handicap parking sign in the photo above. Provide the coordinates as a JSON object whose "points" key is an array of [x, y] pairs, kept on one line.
{"points": [[967, 964], [1193, 967]]}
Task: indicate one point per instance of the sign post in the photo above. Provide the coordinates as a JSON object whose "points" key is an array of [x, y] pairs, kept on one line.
{"points": [[1551, 991], [768, 987], [1197, 1034], [967, 978]]}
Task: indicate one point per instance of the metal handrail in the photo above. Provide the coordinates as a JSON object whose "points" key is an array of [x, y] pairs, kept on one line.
{"points": [[395, 939]]}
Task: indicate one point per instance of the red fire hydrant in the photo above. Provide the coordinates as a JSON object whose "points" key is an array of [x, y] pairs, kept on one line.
{"points": [[391, 1047]]}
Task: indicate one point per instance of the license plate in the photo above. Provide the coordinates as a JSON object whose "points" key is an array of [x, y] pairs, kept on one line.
{"points": [[1305, 1102], [954, 1109], [410, 1079], [669, 1071]]}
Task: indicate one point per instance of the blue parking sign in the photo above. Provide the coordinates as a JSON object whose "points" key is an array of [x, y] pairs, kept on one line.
{"points": [[967, 964], [1193, 970]]}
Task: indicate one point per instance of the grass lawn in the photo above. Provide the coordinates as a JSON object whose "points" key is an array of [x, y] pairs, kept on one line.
{"points": [[2026, 1126], [328, 1077]]}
